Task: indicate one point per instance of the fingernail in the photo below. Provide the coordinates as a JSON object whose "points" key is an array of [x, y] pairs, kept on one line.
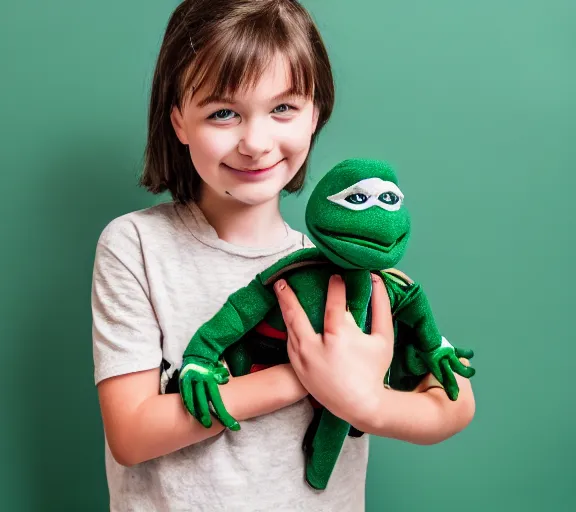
{"points": [[280, 285], [374, 278], [337, 277]]}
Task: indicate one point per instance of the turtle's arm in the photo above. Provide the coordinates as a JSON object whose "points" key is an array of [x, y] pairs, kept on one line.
{"points": [[243, 310], [427, 351], [410, 306], [202, 372]]}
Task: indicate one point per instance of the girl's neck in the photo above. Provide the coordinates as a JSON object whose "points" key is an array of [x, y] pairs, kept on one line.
{"points": [[245, 225]]}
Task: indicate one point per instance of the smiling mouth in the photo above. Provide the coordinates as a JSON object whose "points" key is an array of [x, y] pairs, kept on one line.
{"points": [[363, 241], [254, 171]]}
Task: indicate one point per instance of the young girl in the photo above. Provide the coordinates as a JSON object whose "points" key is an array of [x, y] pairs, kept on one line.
{"points": [[241, 90]]}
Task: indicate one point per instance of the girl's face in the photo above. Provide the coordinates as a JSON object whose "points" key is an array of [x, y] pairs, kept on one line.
{"points": [[247, 148]]}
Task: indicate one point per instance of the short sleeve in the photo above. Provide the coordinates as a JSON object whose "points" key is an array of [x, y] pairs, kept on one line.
{"points": [[126, 336]]}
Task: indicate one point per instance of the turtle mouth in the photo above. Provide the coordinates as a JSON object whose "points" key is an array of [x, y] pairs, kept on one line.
{"points": [[363, 241]]}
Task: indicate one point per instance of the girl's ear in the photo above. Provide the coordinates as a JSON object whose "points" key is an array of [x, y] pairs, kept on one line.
{"points": [[179, 125], [315, 115]]}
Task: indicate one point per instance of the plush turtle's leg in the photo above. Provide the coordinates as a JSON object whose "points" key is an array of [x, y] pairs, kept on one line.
{"points": [[328, 433], [311, 431]]}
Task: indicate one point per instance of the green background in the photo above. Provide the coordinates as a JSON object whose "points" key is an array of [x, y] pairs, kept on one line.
{"points": [[475, 104]]}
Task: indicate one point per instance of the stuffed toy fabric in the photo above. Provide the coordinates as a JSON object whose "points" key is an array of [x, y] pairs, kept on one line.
{"points": [[358, 221]]}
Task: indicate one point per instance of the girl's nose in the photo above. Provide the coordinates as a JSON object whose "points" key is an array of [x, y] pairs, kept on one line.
{"points": [[256, 139]]}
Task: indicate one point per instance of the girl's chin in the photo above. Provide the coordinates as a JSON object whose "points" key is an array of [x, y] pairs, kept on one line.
{"points": [[258, 190], [251, 198]]}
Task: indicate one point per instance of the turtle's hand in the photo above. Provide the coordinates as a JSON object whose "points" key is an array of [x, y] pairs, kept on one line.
{"points": [[199, 381], [442, 362]]}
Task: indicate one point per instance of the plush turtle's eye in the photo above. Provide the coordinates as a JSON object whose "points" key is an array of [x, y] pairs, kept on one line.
{"points": [[388, 198], [357, 198]]}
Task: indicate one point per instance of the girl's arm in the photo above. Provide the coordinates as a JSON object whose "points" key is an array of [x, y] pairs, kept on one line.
{"points": [[425, 416], [141, 424]]}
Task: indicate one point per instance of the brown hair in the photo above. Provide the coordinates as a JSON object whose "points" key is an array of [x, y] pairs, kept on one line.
{"points": [[227, 44]]}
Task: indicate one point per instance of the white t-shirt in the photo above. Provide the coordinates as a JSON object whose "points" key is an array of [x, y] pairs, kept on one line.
{"points": [[159, 274]]}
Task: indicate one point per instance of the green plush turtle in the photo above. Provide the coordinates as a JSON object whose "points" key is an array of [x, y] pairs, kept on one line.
{"points": [[358, 221]]}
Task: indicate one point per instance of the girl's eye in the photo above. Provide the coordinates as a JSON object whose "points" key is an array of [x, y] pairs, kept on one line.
{"points": [[388, 197], [284, 108], [226, 114], [222, 115], [357, 198]]}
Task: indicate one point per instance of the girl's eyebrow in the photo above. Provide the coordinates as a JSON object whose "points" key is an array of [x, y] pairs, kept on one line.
{"points": [[214, 98]]}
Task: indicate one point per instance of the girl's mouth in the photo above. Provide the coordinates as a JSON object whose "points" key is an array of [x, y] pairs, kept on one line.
{"points": [[254, 173]]}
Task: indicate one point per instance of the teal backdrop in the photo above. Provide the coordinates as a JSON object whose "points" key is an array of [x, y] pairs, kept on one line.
{"points": [[475, 104]]}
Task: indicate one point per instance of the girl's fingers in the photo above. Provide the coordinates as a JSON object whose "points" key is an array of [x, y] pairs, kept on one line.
{"points": [[295, 318], [335, 311], [292, 345], [381, 313]]}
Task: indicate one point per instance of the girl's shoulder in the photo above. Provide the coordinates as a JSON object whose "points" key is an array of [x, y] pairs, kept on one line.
{"points": [[160, 220]]}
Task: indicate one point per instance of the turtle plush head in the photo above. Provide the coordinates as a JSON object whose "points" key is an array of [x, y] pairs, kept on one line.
{"points": [[356, 215]]}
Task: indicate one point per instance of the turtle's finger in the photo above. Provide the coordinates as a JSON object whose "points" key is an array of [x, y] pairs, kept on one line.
{"points": [[461, 369], [436, 370], [466, 353], [201, 403], [450, 384], [221, 413]]}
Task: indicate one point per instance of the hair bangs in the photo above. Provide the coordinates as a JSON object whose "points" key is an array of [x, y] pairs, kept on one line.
{"points": [[237, 60]]}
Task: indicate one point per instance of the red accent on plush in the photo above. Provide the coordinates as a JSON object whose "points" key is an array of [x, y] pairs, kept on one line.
{"points": [[268, 330], [257, 367]]}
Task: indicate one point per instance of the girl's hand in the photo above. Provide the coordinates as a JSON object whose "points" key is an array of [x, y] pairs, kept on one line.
{"points": [[343, 368]]}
